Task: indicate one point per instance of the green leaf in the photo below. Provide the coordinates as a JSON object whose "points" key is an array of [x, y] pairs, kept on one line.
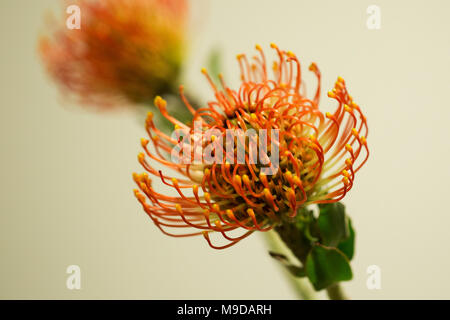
{"points": [[326, 266], [296, 271], [332, 224], [347, 246]]}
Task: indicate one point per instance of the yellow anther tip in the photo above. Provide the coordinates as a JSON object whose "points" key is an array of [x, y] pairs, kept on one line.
{"points": [[273, 46], [257, 47], [160, 102], [312, 67], [144, 142], [203, 70]]}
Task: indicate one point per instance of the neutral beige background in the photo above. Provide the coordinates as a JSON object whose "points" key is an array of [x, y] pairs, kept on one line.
{"points": [[65, 185]]}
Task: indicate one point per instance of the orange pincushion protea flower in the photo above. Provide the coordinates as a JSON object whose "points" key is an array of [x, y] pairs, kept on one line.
{"points": [[125, 51], [319, 155]]}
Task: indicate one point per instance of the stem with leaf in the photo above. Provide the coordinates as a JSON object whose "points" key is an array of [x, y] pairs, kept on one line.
{"points": [[324, 246]]}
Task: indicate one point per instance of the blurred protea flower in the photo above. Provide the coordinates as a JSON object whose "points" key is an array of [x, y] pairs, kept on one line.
{"points": [[318, 155], [126, 51]]}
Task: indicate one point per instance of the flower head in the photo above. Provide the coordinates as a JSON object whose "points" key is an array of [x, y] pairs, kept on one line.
{"points": [[317, 154], [125, 51]]}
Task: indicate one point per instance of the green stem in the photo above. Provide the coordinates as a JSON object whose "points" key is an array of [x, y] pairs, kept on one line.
{"points": [[299, 285], [335, 292]]}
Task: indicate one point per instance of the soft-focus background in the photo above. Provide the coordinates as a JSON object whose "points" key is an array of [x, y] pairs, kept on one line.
{"points": [[65, 176]]}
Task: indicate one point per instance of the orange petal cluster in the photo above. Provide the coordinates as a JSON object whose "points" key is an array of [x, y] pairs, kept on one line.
{"points": [[125, 51], [319, 155]]}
